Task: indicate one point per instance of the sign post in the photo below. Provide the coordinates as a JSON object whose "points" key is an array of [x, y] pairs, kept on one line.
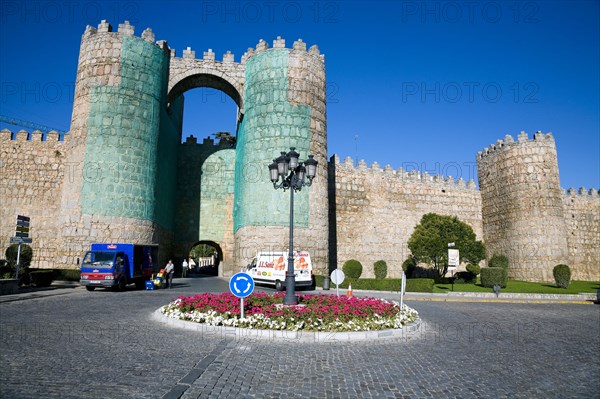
{"points": [[402, 290], [337, 277], [21, 237], [453, 260], [241, 285]]}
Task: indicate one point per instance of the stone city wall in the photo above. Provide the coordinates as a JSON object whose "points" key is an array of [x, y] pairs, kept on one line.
{"points": [[582, 219], [31, 177], [376, 210]]}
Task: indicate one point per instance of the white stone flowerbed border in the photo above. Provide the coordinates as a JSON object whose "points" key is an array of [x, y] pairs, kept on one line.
{"points": [[223, 332]]}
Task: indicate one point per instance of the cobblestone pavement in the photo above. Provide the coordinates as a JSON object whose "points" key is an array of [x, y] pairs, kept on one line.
{"points": [[104, 344]]}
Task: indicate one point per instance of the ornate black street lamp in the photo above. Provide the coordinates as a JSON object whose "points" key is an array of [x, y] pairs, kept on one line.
{"points": [[294, 181]]}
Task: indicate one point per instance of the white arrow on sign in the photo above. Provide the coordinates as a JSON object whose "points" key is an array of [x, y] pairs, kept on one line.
{"points": [[248, 286]]}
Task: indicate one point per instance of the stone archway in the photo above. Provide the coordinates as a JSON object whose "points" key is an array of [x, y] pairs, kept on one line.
{"points": [[218, 259], [189, 73]]}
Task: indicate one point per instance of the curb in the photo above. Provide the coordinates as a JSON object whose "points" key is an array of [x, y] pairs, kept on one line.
{"points": [[584, 298], [284, 335]]}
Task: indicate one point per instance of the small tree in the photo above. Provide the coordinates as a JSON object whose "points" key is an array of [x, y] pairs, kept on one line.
{"points": [[409, 265], [352, 269], [380, 269], [562, 275], [429, 241], [24, 261]]}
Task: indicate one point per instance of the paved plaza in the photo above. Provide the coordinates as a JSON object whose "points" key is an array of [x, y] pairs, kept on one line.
{"points": [[70, 343]]}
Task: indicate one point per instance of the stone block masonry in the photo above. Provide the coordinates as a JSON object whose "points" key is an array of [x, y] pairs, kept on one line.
{"points": [[582, 219], [31, 179]]}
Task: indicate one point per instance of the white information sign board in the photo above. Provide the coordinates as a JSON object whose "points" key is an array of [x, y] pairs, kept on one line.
{"points": [[453, 259]]}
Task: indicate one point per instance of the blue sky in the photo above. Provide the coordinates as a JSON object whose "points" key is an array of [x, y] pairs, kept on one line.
{"points": [[419, 84]]}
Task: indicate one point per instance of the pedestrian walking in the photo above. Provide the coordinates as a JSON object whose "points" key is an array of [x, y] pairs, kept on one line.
{"points": [[170, 270], [184, 268]]}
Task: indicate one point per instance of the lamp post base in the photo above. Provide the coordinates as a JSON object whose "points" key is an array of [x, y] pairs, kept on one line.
{"points": [[290, 297]]}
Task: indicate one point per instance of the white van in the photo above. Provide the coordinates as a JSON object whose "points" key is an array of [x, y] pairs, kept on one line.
{"points": [[270, 268]]}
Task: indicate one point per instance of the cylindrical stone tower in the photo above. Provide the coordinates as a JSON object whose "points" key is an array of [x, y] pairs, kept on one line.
{"points": [[284, 103], [522, 205], [109, 192]]}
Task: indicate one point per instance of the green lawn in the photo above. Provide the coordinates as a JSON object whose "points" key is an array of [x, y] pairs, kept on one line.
{"points": [[516, 286]]}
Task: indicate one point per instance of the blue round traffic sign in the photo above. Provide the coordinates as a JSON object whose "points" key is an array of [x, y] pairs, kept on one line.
{"points": [[241, 285]]}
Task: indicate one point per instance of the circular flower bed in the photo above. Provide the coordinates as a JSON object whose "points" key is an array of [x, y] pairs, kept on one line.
{"points": [[313, 312]]}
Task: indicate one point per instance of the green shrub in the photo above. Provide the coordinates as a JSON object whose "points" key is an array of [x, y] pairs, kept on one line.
{"points": [[352, 269], [24, 259], [498, 261], [67, 274], [491, 276], [419, 285], [465, 278], [24, 262], [380, 269], [562, 275], [474, 269], [409, 266], [5, 269], [42, 278]]}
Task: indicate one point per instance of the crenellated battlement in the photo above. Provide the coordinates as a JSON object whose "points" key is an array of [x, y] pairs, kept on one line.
{"points": [[35, 136], [229, 58], [208, 142], [124, 29], [279, 43], [400, 174], [509, 142], [582, 192]]}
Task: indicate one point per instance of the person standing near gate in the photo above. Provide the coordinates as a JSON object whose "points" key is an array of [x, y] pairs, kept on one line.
{"points": [[184, 268], [170, 270]]}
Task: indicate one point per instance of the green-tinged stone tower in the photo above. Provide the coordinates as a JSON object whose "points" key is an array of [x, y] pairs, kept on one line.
{"points": [[115, 188], [284, 103]]}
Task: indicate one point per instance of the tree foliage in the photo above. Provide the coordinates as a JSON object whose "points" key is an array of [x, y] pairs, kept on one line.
{"points": [[429, 241], [201, 251], [380, 269], [352, 269]]}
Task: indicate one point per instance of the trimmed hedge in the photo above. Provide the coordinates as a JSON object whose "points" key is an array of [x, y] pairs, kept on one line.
{"points": [[42, 278], [387, 284], [352, 269], [67, 274], [380, 269], [498, 260], [419, 285], [562, 275], [491, 276]]}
